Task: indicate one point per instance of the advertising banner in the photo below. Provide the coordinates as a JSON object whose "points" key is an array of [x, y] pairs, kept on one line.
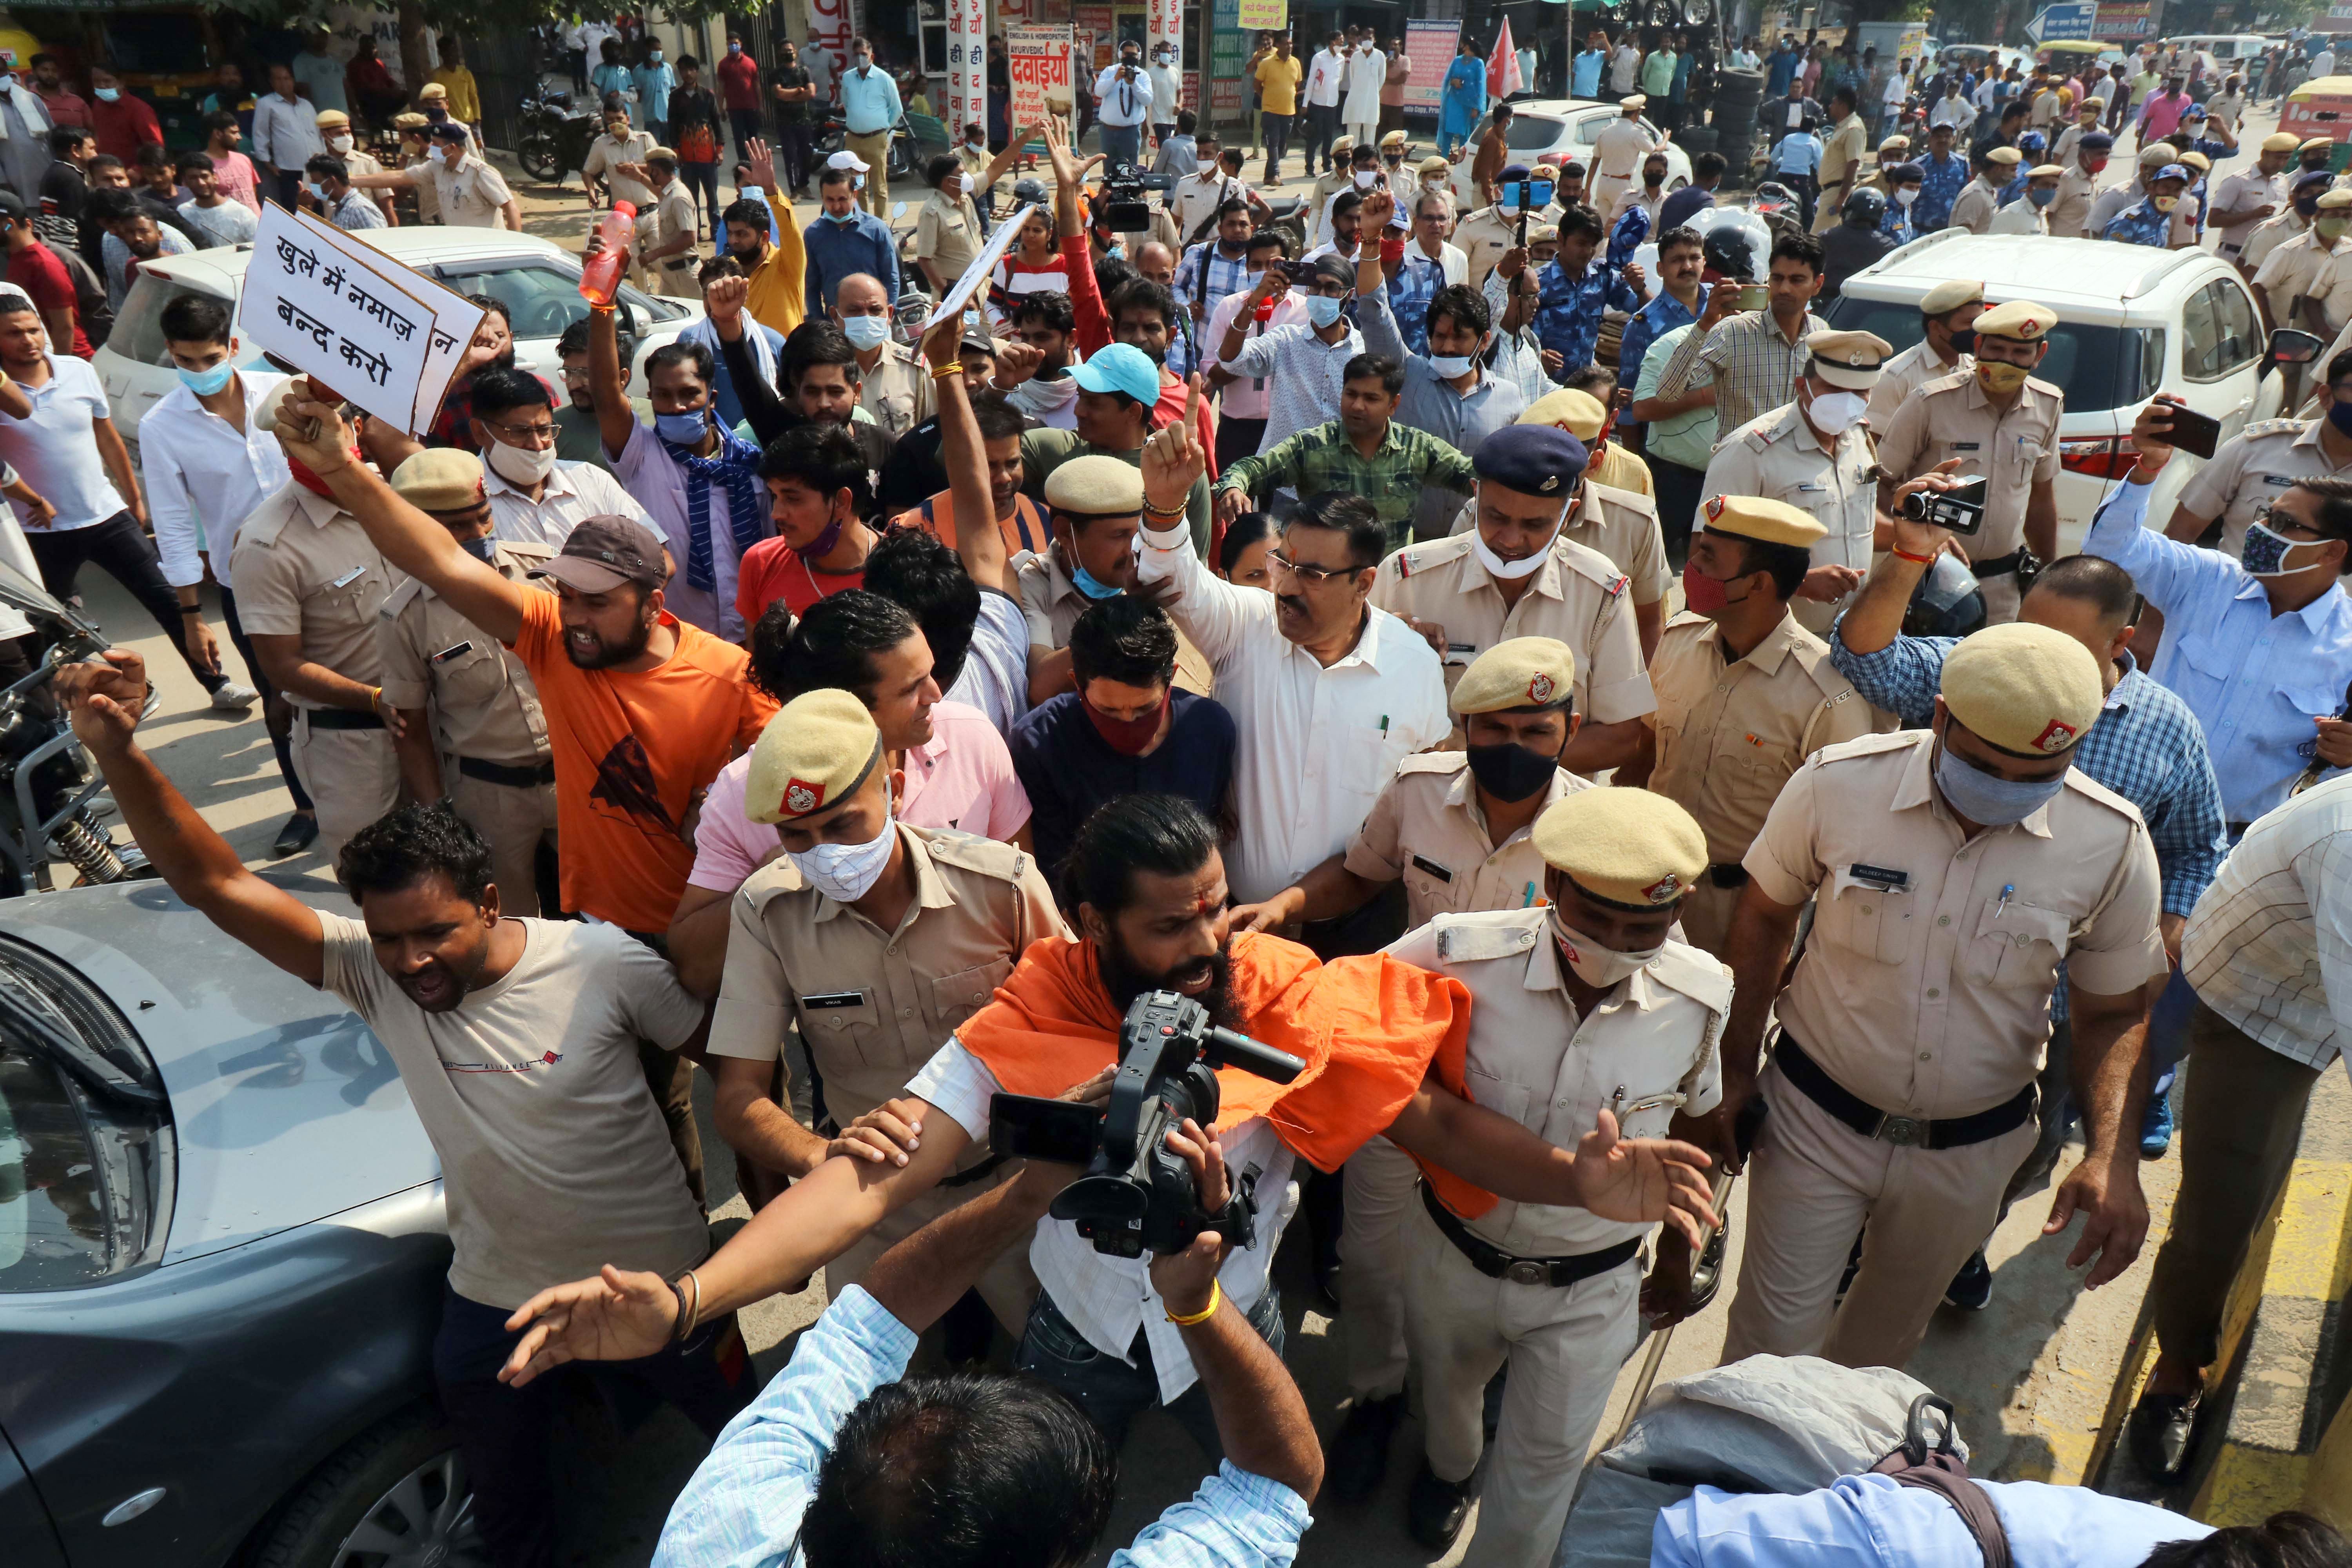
{"points": [[967, 87], [1039, 60], [1431, 46]]}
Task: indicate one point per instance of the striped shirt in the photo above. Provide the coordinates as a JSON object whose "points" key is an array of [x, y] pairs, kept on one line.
{"points": [[743, 1507], [1751, 364], [2270, 946]]}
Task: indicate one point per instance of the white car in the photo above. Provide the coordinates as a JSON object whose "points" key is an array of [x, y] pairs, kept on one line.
{"points": [[2132, 321], [538, 280], [1567, 126]]}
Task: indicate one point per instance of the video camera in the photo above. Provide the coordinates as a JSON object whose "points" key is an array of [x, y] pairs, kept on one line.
{"points": [[1124, 208], [1137, 1194], [1959, 508]]}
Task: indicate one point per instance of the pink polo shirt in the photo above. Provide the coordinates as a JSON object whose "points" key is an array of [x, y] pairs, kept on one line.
{"points": [[961, 778]]}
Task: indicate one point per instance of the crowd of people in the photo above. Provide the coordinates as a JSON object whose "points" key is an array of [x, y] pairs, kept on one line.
{"points": [[870, 725]]}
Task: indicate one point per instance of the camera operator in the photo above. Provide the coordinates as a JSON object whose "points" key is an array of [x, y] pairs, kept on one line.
{"points": [[1122, 106], [1148, 888], [849, 1459]]}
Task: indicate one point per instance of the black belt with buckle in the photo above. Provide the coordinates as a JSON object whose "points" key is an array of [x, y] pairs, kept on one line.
{"points": [[342, 718], [529, 776], [1495, 1264], [1905, 1132], [1728, 874], [2000, 565]]}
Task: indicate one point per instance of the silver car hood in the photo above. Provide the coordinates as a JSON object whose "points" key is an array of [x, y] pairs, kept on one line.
{"points": [[287, 1108]]}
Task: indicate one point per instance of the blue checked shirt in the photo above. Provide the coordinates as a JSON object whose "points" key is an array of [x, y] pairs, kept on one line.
{"points": [[1410, 291], [2255, 680], [1568, 313], [743, 1507], [1651, 323], [1939, 189], [1226, 276]]}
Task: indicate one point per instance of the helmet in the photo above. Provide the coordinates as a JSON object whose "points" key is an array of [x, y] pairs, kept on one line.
{"points": [[1866, 208], [1773, 194], [2031, 142], [1028, 192], [1946, 603], [1727, 252]]}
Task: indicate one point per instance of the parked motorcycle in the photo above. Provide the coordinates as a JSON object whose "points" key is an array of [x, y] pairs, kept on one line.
{"points": [[832, 135], [553, 137], [47, 780]]}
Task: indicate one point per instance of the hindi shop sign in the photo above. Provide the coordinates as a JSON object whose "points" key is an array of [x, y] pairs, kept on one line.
{"points": [[1039, 61], [967, 94], [381, 334], [2125, 22]]}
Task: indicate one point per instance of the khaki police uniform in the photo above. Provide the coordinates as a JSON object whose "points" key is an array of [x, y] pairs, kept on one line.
{"points": [[1617, 153], [1924, 992], [304, 567], [2070, 214], [1620, 525], [1577, 596], [672, 213], [1905, 373], [1730, 732], [496, 766], [2269, 235], [2306, 269], [873, 1005], [1846, 145], [1483, 237], [2249, 187], [1973, 208], [2014, 448], [1051, 602], [2252, 469], [897, 391], [1648, 1049], [1778, 456]]}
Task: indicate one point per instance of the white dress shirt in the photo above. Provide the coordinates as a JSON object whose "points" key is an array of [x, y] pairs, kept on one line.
{"points": [[1323, 78], [1108, 1298], [204, 476], [1317, 744], [56, 450], [284, 133], [1123, 102], [2269, 945], [575, 491]]}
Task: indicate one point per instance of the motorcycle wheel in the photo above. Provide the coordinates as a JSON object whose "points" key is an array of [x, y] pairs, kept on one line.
{"points": [[540, 159]]}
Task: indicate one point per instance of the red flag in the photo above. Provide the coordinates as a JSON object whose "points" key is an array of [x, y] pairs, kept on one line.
{"points": [[1503, 67]]}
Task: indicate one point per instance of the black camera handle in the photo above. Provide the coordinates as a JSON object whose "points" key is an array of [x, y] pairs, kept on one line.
{"points": [[1237, 1221]]}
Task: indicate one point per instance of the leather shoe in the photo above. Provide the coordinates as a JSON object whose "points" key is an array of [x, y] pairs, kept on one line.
{"points": [[1359, 1453], [1436, 1510], [300, 831], [2163, 1425]]}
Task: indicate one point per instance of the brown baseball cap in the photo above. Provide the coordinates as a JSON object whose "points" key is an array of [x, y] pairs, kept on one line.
{"points": [[603, 552]]}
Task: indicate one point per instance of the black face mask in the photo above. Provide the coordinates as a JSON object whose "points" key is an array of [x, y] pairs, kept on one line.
{"points": [[1964, 342], [482, 548], [1510, 771]]}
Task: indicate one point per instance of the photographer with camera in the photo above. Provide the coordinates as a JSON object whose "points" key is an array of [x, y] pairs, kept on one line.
{"points": [[1123, 106], [844, 1459], [1381, 1043]]}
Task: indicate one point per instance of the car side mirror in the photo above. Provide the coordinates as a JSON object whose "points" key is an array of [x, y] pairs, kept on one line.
{"points": [[2289, 346]]}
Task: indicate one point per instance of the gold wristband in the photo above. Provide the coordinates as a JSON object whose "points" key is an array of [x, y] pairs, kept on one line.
{"points": [[1216, 1299], [953, 367]]}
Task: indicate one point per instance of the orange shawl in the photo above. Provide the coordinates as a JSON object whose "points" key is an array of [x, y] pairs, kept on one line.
{"points": [[1369, 1029]]}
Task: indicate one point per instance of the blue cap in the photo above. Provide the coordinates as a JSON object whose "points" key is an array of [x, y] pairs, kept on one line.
{"points": [[1119, 367], [1538, 459], [1906, 173], [2096, 142], [2173, 172], [2031, 142], [2313, 177], [2194, 111], [1513, 172]]}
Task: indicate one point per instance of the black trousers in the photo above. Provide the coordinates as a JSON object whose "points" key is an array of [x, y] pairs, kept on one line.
{"points": [[123, 549], [746, 124], [1237, 439], [1322, 130], [1276, 129], [796, 148], [289, 186], [504, 1433], [1679, 492], [703, 178], [275, 711]]}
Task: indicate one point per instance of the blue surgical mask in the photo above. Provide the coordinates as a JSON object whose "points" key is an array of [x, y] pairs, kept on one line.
{"points": [[204, 382], [867, 333], [681, 429], [317, 194], [1450, 366], [1323, 309], [482, 548], [1092, 586], [2042, 198], [109, 94], [844, 219], [1982, 798], [654, 57]]}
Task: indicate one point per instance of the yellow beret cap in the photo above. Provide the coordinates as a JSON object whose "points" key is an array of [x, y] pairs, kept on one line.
{"points": [[2020, 318], [1629, 847], [330, 119], [1096, 486], [2280, 141], [1894, 144], [1637, 101], [1518, 672], [1580, 412], [2306, 146], [2196, 161], [1432, 164], [1345, 144], [2055, 171], [409, 122], [1951, 295], [2335, 199], [2024, 687], [1767, 522], [2001, 156], [439, 478], [814, 753], [1393, 138], [433, 89], [1543, 234]]}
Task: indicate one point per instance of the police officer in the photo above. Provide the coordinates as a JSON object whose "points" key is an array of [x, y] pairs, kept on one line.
{"points": [[2078, 186], [2000, 421], [1581, 1007], [1486, 234], [2252, 468], [878, 940], [1746, 693], [1456, 827], [2156, 219], [2251, 196], [1952, 871], [1815, 455], [1518, 573], [1947, 314], [1973, 208], [315, 585], [485, 710], [2303, 190]]}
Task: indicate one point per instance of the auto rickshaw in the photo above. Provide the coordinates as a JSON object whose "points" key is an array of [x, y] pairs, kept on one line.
{"points": [[2322, 107]]}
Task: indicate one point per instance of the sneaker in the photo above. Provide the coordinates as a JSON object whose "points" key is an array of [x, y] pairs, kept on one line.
{"points": [[2156, 1128], [2162, 1428], [1852, 1268], [1436, 1510], [234, 697], [300, 830], [1359, 1453], [1971, 1289]]}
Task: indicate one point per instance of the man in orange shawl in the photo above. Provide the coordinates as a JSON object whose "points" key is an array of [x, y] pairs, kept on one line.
{"points": [[1384, 1044]]}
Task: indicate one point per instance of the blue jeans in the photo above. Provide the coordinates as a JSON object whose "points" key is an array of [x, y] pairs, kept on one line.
{"points": [[1122, 144], [1112, 1392]]}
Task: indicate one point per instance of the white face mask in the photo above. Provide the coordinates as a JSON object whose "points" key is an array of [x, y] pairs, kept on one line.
{"points": [[1835, 413], [1512, 571], [520, 465], [1906, 195], [340, 143], [1450, 366], [1598, 966], [1365, 178], [846, 872]]}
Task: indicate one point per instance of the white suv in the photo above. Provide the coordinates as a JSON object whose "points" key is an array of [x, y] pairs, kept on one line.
{"points": [[1567, 126], [2132, 321], [538, 280]]}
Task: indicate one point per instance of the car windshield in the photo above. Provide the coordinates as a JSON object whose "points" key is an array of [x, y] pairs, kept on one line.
{"points": [[1531, 134], [139, 325], [2100, 367]]}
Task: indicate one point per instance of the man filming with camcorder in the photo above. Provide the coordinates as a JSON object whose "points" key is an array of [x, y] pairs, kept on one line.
{"points": [[1380, 1046], [844, 1460]]}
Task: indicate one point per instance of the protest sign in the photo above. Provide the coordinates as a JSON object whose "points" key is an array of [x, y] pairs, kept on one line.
{"points": [[975, 277], [381, 334]]}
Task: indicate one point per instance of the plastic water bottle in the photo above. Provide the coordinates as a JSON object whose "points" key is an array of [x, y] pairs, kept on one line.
{"points": [[600, 278]]}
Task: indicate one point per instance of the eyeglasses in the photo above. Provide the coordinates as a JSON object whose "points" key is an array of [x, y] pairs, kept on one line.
{"points": [[526, 435], [2277, 521], [1307, 571]]}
